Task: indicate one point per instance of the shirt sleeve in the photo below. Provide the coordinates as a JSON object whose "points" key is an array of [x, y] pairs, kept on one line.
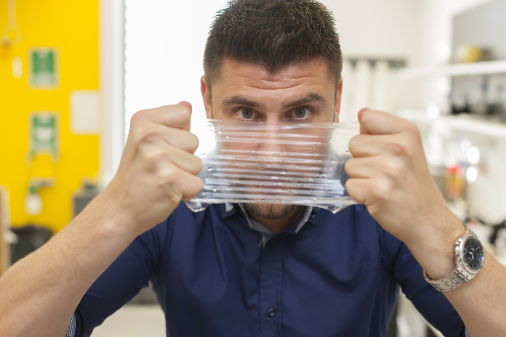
{"points": [[408, 273], [71, 332], [124, 278]]}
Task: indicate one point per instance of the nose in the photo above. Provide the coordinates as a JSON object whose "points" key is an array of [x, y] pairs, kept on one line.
{"points": [[274, 144], [271, 140]]}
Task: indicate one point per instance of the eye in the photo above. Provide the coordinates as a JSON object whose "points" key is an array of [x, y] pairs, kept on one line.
{"points": [[246, 113], [300, 112]]}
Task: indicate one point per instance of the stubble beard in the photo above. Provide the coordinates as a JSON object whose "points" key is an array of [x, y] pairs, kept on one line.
{"points": [[269, 211]]}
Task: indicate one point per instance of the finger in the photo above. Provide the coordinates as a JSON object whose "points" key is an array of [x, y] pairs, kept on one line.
{"points": [[358, 189], [402, 144], [368, 145], [186, 104], [152, 133], [188, 185], [176, 116], [386, 167], [186, 161], [361, 113], [378, 122], [161, 152], [178, 184], [363, 131], [361, 167], [181, 139]]}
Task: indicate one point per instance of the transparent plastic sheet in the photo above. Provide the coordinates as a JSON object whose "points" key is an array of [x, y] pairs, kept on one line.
{"points": [[296, 164]]}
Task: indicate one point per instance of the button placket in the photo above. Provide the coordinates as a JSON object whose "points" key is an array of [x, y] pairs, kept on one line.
{"points": [[270, 279]]}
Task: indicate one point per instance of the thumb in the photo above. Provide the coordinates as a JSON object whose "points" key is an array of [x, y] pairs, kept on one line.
{"points": [[363, 129], [186, 104], [361, 113]]}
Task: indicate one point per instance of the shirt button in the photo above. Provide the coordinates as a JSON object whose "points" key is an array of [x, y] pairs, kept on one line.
{"points": [[272, 243], [271, 312]]}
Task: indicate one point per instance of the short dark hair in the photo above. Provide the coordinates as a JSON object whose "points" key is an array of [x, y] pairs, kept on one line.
{"points": [[273, 34]]}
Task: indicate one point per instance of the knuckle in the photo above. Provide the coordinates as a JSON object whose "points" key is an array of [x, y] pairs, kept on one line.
{"points": [[380, 189], [195, 141], [368, 117], [154, 157], [412, 129], [175, 197], [348, 166], [184, 110], [147, 134], [355, 191], [196, 186], [200, 183], [198, 164], [181, 113], [352, 145], [138, 117], [392, 169], [400, 147], [188, 142], [168, 175], [349, 186]]}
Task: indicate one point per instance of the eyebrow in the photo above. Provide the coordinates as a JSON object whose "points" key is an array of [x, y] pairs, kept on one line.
{"points": [[312, 96], [241, 101]]}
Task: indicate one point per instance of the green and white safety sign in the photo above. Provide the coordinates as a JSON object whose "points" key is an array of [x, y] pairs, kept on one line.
{"points": [[43, 67], [44, 136]]}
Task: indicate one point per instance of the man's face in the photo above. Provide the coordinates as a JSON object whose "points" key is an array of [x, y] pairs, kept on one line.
{"points": [[299, 93]]}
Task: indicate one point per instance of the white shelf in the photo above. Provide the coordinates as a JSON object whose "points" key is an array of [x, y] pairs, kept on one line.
{"points": [[460, 122], [462, 69]]}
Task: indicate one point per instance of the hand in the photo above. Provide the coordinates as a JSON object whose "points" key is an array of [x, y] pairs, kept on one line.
{"points": [[158, 168], [389, 175]]}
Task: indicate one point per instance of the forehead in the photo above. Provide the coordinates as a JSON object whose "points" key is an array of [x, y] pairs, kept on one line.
{"points": [[236, 76]]}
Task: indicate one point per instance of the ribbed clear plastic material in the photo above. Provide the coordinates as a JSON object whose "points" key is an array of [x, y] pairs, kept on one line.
{"points": [[296, 164]]}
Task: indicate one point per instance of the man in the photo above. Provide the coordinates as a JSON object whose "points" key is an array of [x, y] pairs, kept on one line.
{"points": [[320, 274]]}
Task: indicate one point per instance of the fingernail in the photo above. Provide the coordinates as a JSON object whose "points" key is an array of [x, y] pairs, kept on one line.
{"points": [[361, 112], [186, 104]]}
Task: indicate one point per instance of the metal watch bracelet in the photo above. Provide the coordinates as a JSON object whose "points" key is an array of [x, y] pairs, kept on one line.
{"points": [[462, 273]]}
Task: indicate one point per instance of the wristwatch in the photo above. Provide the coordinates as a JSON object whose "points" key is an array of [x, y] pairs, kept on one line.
{"points": [[469, 258]]}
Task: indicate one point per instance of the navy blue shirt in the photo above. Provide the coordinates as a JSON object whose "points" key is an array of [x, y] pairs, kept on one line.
{"points": [[216, 275]]}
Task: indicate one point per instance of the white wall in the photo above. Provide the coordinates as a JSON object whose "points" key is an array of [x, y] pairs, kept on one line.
{"points": [[165, 43], [377, 27]]}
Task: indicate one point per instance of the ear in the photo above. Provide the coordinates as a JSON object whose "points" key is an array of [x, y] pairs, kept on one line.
{"points": [[339, 94], [206, 96]]}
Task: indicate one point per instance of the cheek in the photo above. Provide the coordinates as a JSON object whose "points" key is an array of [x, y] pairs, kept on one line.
{"points": [[325, 117]]}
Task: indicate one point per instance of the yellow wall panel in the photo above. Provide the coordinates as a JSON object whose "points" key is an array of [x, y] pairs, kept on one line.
{"points": [[73, 28]]}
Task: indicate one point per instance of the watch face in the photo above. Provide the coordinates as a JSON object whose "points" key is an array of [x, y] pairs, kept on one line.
{"points": [[473, 254]]}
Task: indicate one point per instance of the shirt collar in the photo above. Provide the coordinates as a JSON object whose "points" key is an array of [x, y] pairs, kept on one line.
{"points": [[229, 209]]}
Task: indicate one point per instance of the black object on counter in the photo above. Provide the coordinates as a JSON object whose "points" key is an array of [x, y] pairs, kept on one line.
{"points": [[30, 238]]}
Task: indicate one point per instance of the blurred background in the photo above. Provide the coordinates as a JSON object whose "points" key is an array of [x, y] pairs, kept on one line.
{"points": [[72, 73]]}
